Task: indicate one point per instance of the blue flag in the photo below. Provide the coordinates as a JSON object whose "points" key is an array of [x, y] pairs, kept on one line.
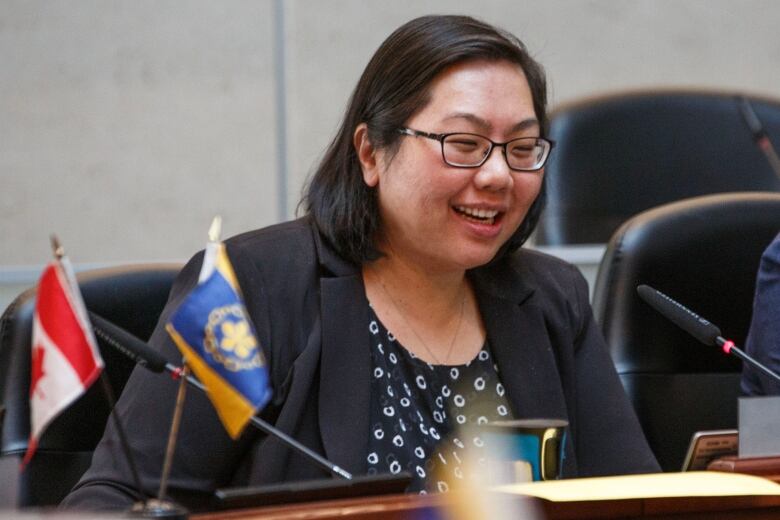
{"points": [[212, 330]]}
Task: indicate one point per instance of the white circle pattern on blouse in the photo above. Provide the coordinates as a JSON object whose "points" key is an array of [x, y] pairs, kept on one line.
{"points": [[416, 405]]}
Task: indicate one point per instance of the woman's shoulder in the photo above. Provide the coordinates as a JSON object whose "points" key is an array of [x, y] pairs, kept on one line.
{"points": [[274, 239], [528, 271], [296, 245], [533, 259], [542, 269], [276, 256]]}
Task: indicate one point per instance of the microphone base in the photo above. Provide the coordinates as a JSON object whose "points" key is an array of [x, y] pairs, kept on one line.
{"points": [[155, 508]]}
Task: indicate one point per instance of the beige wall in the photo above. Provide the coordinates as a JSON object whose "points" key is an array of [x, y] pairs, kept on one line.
{"points": [[126, 125]]}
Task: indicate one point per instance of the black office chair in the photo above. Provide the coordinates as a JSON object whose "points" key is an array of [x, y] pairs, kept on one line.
{"points": [[620, 154], [131, 297], [703, 252]]}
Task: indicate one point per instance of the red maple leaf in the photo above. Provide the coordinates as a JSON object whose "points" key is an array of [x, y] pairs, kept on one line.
{"points": [[37, 368]]}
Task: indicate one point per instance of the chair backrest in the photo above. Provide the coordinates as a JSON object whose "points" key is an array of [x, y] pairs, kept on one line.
{"points": [[621, 154], [703, 252], [130, 296]]}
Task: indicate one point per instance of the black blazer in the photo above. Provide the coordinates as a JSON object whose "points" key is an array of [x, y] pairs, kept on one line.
{"points": [[311, 314]]}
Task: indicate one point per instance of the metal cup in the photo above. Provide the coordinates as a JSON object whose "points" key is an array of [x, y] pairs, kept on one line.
{"points": [[526, 449]]}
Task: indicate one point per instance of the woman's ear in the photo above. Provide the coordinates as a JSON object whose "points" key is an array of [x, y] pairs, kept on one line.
{"points": [[366, 155]]}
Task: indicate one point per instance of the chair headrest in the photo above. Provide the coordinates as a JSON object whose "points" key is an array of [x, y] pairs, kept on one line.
{"points": [[704, 252], [618, 155]]}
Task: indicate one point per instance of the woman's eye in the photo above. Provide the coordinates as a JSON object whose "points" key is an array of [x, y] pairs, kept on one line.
{"points": [[522, 150], [463, 144]]}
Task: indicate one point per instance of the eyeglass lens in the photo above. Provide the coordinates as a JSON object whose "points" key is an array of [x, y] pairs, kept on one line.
{"points": [[470, 150]]}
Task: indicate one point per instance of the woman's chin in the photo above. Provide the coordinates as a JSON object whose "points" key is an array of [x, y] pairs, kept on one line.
{"points": [[477, 257]]}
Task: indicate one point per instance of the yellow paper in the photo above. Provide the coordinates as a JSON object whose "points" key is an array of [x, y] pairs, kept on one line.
{"points": [[656, 485]]}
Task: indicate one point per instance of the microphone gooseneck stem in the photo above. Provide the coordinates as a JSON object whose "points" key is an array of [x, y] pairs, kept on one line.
{"points": [[263, 426], [759, 133], [729, 348]]}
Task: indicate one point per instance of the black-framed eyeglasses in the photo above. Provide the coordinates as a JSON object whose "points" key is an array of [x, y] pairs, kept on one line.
{"points": [[464, 150]]}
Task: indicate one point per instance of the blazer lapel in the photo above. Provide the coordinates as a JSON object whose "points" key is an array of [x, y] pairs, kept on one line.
{"points": [[516, 330], [344, 397]]}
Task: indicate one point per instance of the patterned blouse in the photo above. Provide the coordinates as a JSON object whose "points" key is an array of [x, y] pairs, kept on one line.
{"points": [[419, 410]]}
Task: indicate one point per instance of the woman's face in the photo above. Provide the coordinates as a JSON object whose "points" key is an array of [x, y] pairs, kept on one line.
{"points": [[444, 218]]}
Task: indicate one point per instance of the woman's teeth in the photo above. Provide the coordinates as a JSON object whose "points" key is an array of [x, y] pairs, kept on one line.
{"points": [[480, 215]]}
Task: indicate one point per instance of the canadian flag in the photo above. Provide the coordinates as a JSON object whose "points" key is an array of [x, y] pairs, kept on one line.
{"points": [[65, 357]]}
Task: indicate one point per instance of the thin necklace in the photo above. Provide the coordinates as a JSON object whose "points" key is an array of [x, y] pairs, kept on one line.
{"points": [[422, 342]]}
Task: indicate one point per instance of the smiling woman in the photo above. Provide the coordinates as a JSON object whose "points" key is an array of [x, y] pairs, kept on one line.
{"points": [[401, 309], [431, 211]]}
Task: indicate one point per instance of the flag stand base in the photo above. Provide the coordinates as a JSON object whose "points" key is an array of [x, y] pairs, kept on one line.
{"points": [[155, 508]]}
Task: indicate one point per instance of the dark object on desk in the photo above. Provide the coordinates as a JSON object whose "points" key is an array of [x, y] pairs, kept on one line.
{"points": [[620, 154], [311, 490], [130, 296], [705, 251]]}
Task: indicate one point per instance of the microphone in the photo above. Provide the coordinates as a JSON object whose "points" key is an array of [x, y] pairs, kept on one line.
{"points": [[760, 137], [144, 355], [677, 313], [132, 347], [696, 326], [751, 119]]}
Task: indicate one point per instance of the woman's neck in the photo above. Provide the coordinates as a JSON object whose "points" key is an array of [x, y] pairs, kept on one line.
{"points": [[419, 289], [432, 314]]}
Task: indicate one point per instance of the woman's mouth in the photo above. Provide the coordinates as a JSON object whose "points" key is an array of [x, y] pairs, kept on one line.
{"points": [[478, 215]]}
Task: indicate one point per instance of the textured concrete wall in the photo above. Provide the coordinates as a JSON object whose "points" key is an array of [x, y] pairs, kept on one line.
{"points": [[126, 125]]}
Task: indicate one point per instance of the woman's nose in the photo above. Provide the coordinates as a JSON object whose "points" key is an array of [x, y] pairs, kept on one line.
{"points": [[494, 174]]}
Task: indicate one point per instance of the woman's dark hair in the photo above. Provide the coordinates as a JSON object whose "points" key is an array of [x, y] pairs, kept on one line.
{"points": [[394, 86]]}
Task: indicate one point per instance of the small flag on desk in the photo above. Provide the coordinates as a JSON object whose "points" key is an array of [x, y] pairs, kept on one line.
{"points": [[212, 330], [65, 357]]}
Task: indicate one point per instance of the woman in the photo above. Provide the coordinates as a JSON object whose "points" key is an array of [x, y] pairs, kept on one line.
{"points": [[400, 307]]}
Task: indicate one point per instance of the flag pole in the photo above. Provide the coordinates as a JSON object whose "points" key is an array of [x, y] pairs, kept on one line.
{"points": [[160, 507], [173, 434], [56, 247], [59, 255]]}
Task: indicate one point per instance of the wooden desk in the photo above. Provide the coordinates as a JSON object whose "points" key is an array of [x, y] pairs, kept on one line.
{"points": [[767, 467], [374, 508], [413, 506]]}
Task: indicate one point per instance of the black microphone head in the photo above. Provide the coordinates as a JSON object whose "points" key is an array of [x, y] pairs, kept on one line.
{"points": [[680, 315], [128, 344], [750, 118]]}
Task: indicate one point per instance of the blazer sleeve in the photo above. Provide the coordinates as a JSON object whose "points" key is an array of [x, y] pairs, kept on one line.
{"points": [[609, 438], [205, 456]]}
